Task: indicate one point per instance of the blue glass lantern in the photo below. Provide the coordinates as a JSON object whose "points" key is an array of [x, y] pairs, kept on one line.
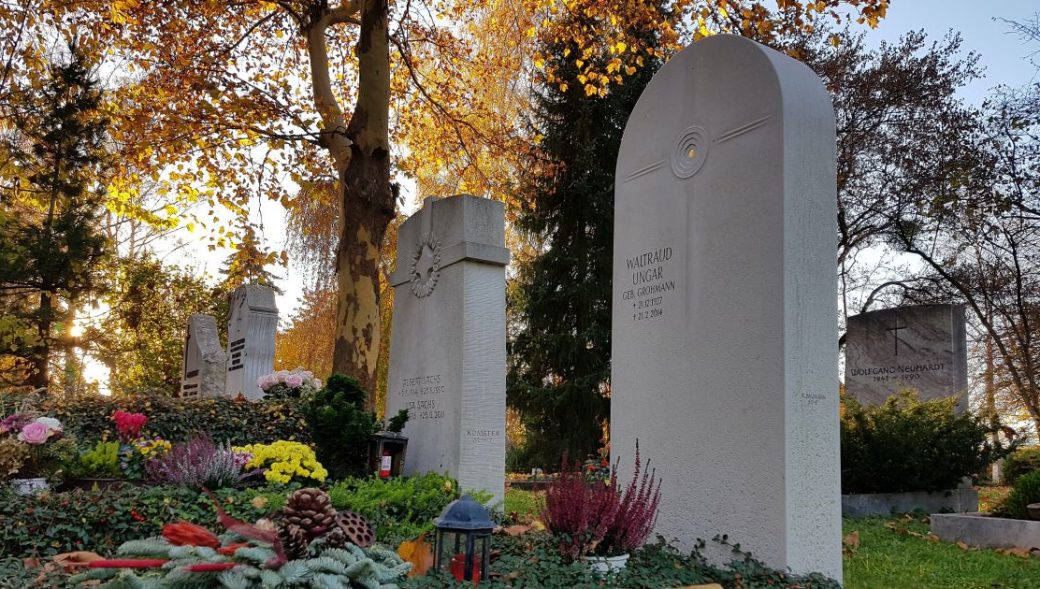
{"points": [[462, 544]]}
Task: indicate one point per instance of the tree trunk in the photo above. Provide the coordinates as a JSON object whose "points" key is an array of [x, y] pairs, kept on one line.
{"points": [[368, 205], [40, 377]]}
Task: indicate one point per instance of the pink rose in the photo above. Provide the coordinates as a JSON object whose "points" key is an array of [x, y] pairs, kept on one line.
{"points": [[34, 433], [293, 381]]}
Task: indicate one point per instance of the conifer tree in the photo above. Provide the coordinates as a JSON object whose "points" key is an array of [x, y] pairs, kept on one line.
{"points": [[560, 350], [54, 245]]}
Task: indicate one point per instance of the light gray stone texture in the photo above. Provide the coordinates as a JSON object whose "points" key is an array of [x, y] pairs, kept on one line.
{"points": [[923, 347], [959, 500], [203, 359], [251, 330], [976, 529], [724, 363], [447, 351]]}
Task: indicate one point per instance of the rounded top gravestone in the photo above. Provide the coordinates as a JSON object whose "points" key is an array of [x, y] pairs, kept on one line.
{"points": [[724, 363]]}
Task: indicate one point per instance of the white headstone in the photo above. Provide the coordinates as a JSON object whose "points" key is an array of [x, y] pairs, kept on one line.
{"points": [[921, 347], [204, 359], [447, 350], [724, 363], [251, 330]]}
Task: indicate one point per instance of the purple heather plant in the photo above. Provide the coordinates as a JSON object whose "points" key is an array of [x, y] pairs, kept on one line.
{"points": [[596, 516], [197, 463]]}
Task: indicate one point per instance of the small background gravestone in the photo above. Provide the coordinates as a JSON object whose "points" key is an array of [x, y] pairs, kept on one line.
{"points": [[447, 354], [204, 359], [724, 363], [922, 347], [251, 331]]}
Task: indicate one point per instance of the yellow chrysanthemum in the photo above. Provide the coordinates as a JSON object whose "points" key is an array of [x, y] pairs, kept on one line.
{"points": [[284, 460]]}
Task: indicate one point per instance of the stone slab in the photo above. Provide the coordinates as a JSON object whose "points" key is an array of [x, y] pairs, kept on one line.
{"points": [[977, 529], [921, 347], [251, 330], [961, 500], [724, 362], [447, 351], [204, 359]]}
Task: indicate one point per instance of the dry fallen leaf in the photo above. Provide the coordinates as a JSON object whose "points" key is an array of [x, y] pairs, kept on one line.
{"points": [[71, 561], [962, 545], [851, 540], [419, 553]]}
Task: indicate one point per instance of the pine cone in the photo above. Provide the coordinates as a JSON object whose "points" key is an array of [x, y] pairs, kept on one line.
{"points": [[294, 540], [310, 509], [335, 537], [356, 528]]}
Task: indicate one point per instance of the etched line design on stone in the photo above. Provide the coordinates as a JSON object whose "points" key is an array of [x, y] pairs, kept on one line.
{"points": [[691, 151], [745, 128], [426, 266], [644, 170]]}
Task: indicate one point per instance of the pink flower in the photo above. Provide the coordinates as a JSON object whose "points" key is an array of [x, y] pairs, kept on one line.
{"points": [[35, 433], [294, 381]]}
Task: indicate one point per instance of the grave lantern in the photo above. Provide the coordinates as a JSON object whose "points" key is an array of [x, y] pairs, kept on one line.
{"points": [[386, 452], [463, 540]]}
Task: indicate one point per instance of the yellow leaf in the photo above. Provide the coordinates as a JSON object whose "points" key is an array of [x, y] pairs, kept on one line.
{"points": [[591, 90], [419, 553]]}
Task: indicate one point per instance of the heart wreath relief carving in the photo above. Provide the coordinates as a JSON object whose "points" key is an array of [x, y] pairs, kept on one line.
{"points": [[426, 266]]}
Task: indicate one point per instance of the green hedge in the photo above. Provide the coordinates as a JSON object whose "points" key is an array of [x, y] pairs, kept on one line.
{"points": [[400, 508], [101, 520], [910, 445], [1025, 492], [226, 420]]}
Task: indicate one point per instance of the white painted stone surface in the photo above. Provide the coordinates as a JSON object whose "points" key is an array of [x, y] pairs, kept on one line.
{"points": [[923, 347], [447, 351], [203, 359], [251, 329], [724, 303]]}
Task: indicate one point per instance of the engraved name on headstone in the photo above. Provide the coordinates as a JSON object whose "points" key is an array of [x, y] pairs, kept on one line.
{"points": [[447, 353], [204, 359], [251, 331], [920, 347], [724, 357]]}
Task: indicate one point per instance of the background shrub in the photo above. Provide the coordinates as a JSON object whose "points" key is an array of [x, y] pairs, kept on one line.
{"points": [[1020, 462], [226, 420], [1025, 491], [911, 445], [340, 426], [101, 520]]}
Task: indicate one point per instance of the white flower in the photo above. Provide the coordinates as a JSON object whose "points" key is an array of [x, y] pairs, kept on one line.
{"points": [[52, 424]]}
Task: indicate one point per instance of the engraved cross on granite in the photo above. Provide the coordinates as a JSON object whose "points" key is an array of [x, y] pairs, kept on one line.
{"points": [[895, 333]]}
